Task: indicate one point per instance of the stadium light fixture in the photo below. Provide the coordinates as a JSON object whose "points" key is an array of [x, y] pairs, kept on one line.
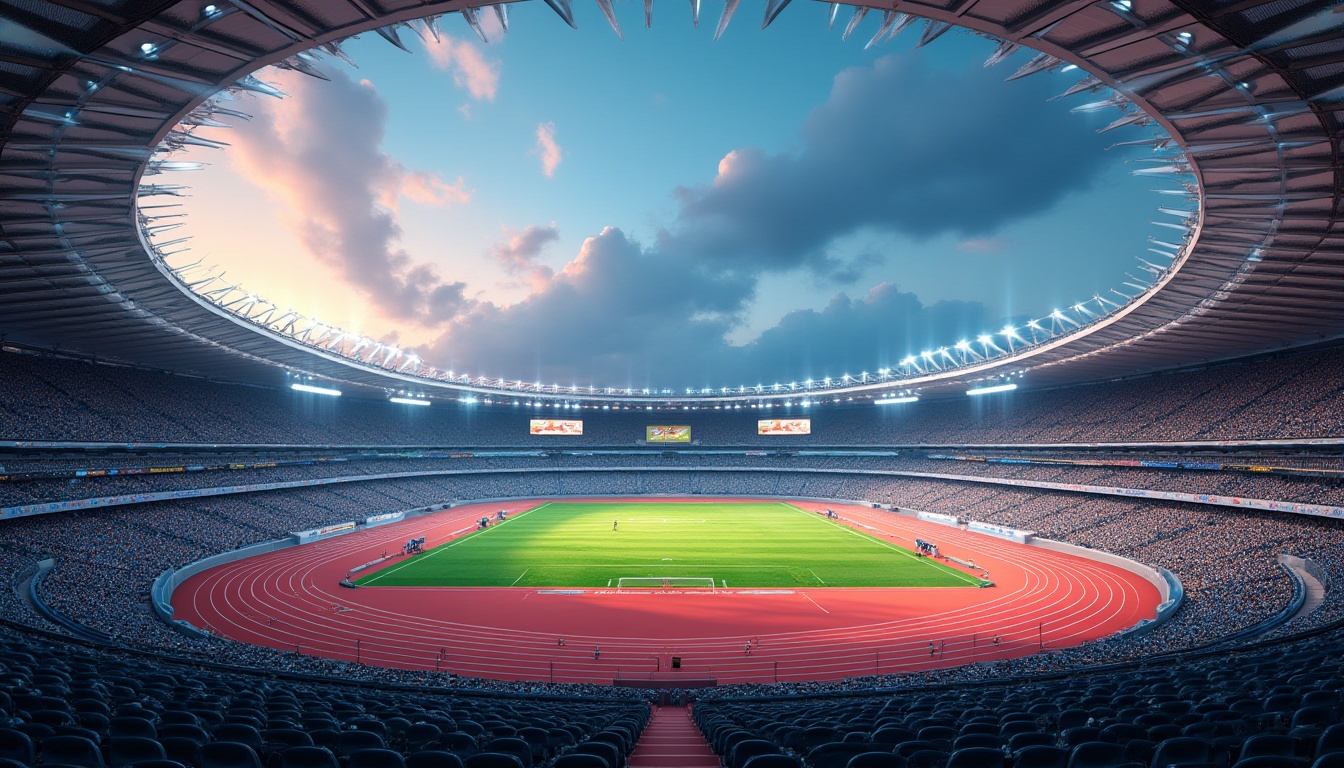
{"points": [[315, 390], [895, 400], [991, 390], [963, 345], [407, 401]]}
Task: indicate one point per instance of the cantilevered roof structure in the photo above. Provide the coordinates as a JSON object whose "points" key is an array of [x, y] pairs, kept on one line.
{"points": [[95, 93]]}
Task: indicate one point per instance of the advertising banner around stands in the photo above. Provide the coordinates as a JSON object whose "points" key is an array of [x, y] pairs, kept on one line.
{"points": [[321, 533], [938, 517], [1002, 531], [667, 434], [384, 519], [556, 427], [784, 427]]}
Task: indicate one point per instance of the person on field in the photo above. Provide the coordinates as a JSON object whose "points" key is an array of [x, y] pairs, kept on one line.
{"points": [[597, 652], [614, 523], [747, 651]]}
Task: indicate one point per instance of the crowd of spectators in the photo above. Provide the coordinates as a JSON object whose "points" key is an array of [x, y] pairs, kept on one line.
{"points": [[1276, 487], [1297, 395]]}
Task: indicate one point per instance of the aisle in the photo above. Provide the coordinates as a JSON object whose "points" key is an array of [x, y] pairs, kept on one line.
{"points": [[671, 740]]}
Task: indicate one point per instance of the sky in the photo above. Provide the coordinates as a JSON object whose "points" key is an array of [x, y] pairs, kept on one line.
{"points": [[666, 211]]}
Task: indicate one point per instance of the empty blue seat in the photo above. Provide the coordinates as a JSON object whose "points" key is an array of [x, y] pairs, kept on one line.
{"points": [[132, 750], [772, 761], [976, 757], [72, 750], [876, 760], [492, 760], [308, 757], [17, 746], [375, 758], [228, 754], [577, 761]]}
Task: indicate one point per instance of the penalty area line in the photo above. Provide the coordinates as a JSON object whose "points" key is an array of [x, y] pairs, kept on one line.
{"points": [[453, 543], [520, 577], [898, 550], [814, 602]]}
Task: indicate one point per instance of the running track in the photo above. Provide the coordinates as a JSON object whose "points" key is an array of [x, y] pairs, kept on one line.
{"points": [[291, 600]]}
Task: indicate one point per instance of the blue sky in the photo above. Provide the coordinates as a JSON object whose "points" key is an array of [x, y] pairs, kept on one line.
{"points": [[777, 205]]}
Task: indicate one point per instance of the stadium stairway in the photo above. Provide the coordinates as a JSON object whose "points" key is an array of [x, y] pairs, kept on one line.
{"points": [[672, 741]]}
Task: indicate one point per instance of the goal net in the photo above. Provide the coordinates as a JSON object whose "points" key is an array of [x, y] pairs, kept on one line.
{"points": [[660, 582]]}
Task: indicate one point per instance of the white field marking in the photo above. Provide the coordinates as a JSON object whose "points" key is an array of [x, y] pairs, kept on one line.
{"points": [[443, 547], [520, 577], [815, 576], [899, 550], [664, 565], [814, 602]]}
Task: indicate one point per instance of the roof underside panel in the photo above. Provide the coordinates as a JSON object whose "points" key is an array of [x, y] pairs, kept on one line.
{"points": [[1250, 90]]}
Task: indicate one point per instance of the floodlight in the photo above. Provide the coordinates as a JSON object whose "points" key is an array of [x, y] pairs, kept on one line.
{"points": [[316, 390], [412, 401], [895, 400], [992, 390]]}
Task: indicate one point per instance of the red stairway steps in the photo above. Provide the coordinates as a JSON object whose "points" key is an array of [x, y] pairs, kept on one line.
{"points": [[671, 740]]}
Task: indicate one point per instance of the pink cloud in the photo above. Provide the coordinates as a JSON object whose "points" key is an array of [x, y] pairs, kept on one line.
{"points": [[547, 148], [424, 188], [470, 68], [518, 255], [318, 153]]}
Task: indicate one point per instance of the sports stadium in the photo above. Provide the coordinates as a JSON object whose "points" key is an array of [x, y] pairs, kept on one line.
{"points": [[235, 535]]}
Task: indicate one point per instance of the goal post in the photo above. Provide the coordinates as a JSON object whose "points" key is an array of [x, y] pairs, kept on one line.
{"points": [[646, 583]]}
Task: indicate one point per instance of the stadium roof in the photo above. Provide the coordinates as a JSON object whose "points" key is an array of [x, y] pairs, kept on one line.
{"points": [[1251, 90]]}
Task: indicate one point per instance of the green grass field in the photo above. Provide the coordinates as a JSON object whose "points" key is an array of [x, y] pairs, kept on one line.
{"points": [[767, 544]]}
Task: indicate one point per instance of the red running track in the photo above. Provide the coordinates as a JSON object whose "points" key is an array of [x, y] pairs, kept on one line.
{"points": [[291, 600]]}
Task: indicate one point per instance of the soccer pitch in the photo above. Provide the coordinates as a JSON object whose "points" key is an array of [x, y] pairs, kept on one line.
{"points": [[763, 544]]}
